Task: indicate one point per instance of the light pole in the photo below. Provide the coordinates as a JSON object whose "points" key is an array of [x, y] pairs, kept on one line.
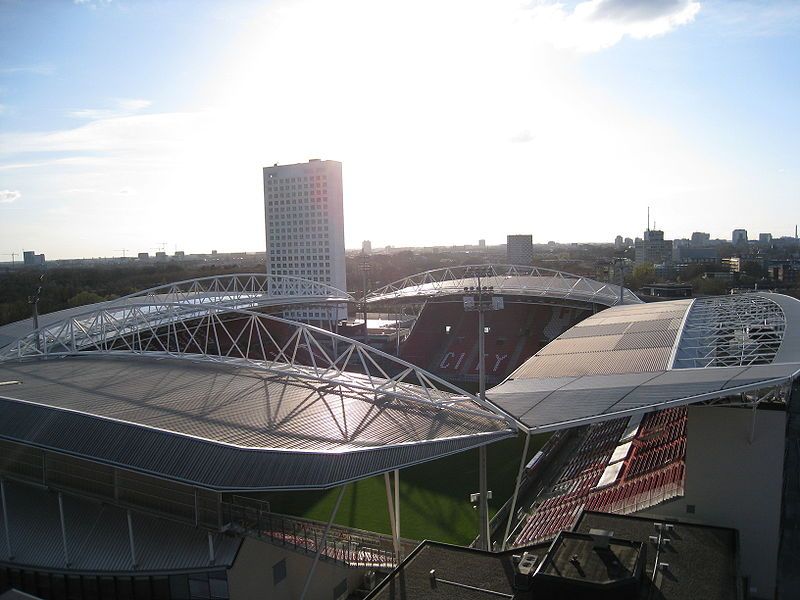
{"points": [[620, 263], [365, 267], [484, 301], [34, 302]]}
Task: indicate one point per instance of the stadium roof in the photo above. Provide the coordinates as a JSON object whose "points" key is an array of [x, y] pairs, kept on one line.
{"points": [[210, 397], [645, 357], [508, 280], [242, 290], [97, 537]]}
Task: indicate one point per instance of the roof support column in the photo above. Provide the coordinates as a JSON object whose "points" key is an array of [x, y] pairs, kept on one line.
{"points": [[753, 422], [511, 513], [392, 517], [483, 506], [322, 543], [397, 510], [63, 528], [130, 539], [211, 556], [6, 523]]}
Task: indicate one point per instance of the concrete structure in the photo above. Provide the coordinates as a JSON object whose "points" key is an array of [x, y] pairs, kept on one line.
{"points": [[31, 259], [519, 249], [734, 478], [739, 236], [700, 238], [303, 206], [604, 556], [764, 238], [366, 247], [618, 243], [653, 248]]}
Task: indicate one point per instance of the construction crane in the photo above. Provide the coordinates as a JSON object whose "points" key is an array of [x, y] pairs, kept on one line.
{"points": [[13, 256], [123, 250]]}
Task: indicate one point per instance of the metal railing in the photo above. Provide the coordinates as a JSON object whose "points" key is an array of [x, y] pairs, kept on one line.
{"points": [[345, 545]]}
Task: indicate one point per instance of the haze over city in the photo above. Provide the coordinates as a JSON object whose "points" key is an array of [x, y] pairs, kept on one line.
{"points": [[130, 124]]}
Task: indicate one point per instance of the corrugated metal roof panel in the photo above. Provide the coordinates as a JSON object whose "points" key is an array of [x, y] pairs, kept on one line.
{"points": [[575, 345], [590, 363], [97, 537], [226, 428]]}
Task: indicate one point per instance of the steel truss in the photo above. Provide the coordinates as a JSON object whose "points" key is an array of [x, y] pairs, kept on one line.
{"points": [[505, 279], [238, 337], [242, 290], [730, 331]]}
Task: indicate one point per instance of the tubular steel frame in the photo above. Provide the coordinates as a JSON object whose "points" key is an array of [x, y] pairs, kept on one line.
{"points": [[730, 331], [199, 333], [244, 289], [506, 280]]}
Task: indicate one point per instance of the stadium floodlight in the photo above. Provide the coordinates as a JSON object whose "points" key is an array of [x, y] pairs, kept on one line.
{"points": [[482, 302]]}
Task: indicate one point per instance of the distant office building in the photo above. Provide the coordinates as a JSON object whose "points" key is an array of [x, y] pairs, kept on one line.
{"points": [[481, 244], [739, 236], [519, 249], [628, 242], [366, 247], [733, 263], [143, 255], [764, 238], [692, 255], [161, 255], [618, 242], [305, 226], [653, 248], [700, 238], [31, 259]]}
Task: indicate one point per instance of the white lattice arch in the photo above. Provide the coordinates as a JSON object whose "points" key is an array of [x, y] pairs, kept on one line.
{"points": [[513, 280]]}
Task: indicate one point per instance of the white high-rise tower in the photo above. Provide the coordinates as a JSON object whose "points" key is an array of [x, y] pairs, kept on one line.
{"points": [[303, 206]]}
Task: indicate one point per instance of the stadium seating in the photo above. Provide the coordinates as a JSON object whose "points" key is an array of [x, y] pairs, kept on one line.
{"points": [[651, 472], [515, 334]]}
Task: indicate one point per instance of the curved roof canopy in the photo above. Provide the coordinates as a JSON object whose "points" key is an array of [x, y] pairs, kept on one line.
{"points": [[229, 399], [646, 357], [239, 290], [509, 280]]}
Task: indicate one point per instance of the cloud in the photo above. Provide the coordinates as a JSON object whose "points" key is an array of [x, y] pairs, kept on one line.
{"points": [[9, 196], [123, 107], [39, 69], [598, 24], [139, 135], [92, 3], [637, 10], [522, 137]]}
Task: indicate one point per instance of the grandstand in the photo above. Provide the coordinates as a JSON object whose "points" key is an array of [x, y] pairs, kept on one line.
{"points": [[539, 305], [138, 438], [648, 405]]}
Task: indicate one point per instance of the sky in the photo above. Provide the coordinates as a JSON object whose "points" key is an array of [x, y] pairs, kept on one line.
{"points": [[132, 125]]}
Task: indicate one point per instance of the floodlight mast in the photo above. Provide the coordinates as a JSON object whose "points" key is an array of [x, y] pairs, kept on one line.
{"points": [[484, 301]]}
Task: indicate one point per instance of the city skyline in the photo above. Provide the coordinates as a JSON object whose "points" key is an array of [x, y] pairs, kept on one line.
{"points": [[560, 120]]}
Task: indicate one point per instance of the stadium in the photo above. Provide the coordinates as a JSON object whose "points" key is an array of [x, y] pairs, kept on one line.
{"points": [[538, 305], [143, 437]]}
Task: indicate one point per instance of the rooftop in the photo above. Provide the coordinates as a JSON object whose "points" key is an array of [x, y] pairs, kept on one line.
{"points": [[639, 358], [702, 564], [245, 428]]}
